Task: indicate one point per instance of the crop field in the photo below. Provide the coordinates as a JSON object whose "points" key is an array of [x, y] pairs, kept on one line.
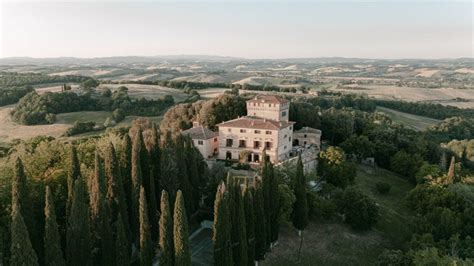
{"points": [[415, 122], [212, 92], [149, 91], [52, 88], [333, 243], [446, 96]]}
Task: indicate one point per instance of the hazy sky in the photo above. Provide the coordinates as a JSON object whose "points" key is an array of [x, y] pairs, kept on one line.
{"points": [[264, 29]]}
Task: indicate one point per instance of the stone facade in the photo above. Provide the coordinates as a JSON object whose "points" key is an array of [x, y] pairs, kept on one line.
{"points": [[205, 140], [266, 127], [307, 136]]}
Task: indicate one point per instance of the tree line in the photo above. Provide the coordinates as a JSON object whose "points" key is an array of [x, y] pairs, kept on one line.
{"points": [[34, 108]]}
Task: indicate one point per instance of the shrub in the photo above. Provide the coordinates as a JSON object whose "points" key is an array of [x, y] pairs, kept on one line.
{"points": [[382, 187], [50, 118], [80, 127], [118, 115], [361, 212]]}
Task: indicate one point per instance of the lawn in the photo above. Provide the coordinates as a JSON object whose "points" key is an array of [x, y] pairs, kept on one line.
{"points": [[334, 243], [415, 122]]}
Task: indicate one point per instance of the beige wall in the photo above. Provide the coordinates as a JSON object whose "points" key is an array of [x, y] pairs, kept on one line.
{"points": [[285, 138], [308, 138], [269, 110], [207, 147], [276, 152]]}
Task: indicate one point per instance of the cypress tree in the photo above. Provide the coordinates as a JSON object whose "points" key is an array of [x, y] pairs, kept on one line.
{"points": [[193, 171], [115, 190], [125, 161], [122, 247], [136, 178], [300, 208], [100, 218], [261, 224], [52, 240], [19, 186], [169, 169], [153, 148], [153, 209], [21, 250], [144, 163], [451, 171], [240, 247], [266, 174], [166, 233], [182, 256], [78, 246], [74, 173], [221, 236], [250, 225], [146, 250], [183, 179], [274, 206]]}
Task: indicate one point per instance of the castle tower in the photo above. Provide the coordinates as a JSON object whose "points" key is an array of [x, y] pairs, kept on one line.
{"points": [[269, 107]]}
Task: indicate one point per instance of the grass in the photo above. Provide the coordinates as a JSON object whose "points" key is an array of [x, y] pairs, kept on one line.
{"points": [[415, 122], [394, 215], [335, 243]]}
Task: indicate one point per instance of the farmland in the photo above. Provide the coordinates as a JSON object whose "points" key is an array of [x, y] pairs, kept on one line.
{"points": [[415, 122]]}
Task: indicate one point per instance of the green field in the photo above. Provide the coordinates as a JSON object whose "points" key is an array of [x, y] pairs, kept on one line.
{"points": [[336, 244], [415, 122]]}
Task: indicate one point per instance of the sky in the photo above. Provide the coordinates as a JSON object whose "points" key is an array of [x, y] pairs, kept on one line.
{"points": [[249, 29]]}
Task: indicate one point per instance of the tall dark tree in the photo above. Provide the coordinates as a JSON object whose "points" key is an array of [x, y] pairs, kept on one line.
{"points": [[146, 248], [192, 161], [125, 162], [250, 224], [136, 185], [240, 244], [182, 256], [19, 185], [122, 246], [274, 206], [153, 209], [21, 250], [115, 190], [267, 176], [144, 162], [52, 240], [100, 217], [74, 173], [300, 208], [153, 147], [169, 169], [166, 232], [261, 224], [78, 243], [221, 229], [183, 180]]}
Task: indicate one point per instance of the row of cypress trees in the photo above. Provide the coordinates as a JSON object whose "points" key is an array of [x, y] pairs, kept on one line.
{"points": [[246, 220], [105, 222]]}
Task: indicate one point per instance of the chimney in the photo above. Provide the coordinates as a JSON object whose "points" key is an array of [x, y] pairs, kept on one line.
{"points": [[195, 124]]}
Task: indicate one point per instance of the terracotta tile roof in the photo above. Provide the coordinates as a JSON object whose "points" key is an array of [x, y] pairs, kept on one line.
{"points": [[308, 130], [256, 123], [267, 99], [200, 133]]}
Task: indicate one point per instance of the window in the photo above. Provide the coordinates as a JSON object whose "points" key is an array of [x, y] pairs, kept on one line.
{"points": [[268, 145], [229, 130], [289, 139], [229, 142], [243, 131], [284, 147], [256, 144], [285, 136], [242, 143], [291, 128], [257, 131], [268, 132], [283, 114], [215, 139], [200, 142], [305, 135]]}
